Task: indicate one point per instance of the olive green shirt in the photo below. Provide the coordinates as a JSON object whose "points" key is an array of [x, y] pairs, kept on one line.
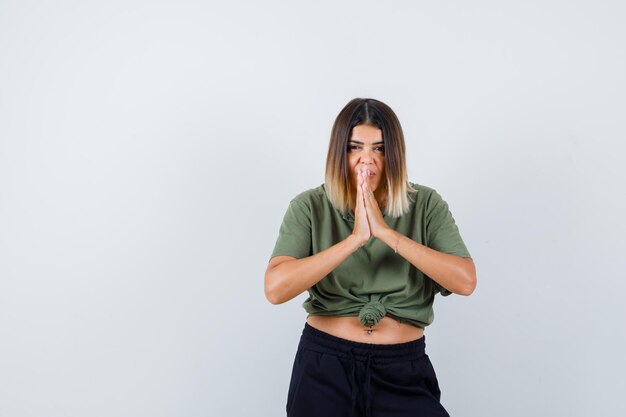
{"points": [[374, 281]]}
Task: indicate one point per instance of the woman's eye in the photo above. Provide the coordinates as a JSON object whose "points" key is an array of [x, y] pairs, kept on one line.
{"points": [[352, 147], [380, 148]]}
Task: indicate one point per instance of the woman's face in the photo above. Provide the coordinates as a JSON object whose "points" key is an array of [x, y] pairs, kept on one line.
{"points": [[366, 152]]}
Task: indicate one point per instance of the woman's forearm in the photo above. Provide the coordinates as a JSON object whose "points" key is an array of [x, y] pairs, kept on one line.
{"points": [[454, 273], [290, 278]]}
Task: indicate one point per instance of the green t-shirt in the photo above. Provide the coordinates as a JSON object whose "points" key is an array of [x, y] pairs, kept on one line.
{"points": [[373, 281]]}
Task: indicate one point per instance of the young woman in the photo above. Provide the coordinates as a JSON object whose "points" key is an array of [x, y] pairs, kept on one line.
{"points": [[372, 249]]}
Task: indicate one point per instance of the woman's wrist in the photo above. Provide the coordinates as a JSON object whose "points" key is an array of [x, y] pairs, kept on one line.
{"points": [[391, 238], [356, 241]]}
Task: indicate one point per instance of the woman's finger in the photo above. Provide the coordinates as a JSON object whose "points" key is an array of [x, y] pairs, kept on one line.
{"points": [[367, 192], [359, 190], [361, 225], [370, 201]]}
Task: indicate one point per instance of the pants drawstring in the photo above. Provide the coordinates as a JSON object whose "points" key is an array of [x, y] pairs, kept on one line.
{"points": [[368, 377], [355, 385]]}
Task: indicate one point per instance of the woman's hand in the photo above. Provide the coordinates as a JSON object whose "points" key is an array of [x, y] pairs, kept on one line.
{"points": [[377, 224], [361, 225]]}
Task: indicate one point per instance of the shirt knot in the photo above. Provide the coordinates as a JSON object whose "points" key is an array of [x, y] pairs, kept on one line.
{"points": [[371, 313]]}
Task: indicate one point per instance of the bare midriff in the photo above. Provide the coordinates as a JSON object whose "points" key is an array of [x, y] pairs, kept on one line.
{"points": [[386, 331]]}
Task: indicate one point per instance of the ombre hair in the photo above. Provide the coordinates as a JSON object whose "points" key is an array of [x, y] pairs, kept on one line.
{"points": [[370, 112]]}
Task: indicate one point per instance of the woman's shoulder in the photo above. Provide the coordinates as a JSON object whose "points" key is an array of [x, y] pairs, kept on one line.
{"points": [[311, 196], [423, 197], [421, 191], [420, 187]]}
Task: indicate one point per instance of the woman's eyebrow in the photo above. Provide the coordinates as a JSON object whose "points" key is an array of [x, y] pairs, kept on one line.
{"points": [[361, 143]]}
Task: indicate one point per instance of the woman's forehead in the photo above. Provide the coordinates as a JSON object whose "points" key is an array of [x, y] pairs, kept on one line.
{"points": [[366, 134]]}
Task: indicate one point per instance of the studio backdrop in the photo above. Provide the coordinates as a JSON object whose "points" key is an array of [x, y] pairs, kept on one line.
{"points": [[149, 150]]}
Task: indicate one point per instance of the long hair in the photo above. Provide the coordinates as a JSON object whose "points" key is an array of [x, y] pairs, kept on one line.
{"points": [[371, 112]]}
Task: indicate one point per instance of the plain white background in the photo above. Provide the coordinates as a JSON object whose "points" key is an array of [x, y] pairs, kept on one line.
{"points": [[148, 151]]}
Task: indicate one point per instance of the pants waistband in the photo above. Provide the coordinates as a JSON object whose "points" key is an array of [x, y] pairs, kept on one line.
{"points": [[381, 353]]}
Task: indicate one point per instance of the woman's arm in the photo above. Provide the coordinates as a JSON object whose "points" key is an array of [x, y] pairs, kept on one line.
{"points": [[287, 277], [454, 273]]}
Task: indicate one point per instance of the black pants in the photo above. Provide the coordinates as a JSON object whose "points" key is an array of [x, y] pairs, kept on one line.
{"points": [[334, 377]]}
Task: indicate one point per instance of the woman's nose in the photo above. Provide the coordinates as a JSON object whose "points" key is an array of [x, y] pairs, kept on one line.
{"points": [[366, 157]]}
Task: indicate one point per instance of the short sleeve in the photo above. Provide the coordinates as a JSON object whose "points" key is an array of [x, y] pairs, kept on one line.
{"points": [[442, 232], [294, 236]]}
